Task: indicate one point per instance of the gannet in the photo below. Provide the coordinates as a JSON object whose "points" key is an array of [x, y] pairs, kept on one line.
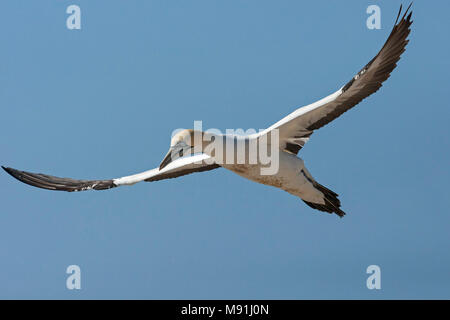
{"points": [[293, 132]]}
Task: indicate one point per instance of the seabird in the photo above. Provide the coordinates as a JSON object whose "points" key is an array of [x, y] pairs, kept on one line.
{"points": [[293, 132]]}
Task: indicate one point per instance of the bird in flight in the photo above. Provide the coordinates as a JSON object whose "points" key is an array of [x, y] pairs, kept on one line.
{"points": [[293, 132]]}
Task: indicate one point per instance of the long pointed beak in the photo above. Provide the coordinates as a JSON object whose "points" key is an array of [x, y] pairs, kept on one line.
{"points": [[167, 159]]}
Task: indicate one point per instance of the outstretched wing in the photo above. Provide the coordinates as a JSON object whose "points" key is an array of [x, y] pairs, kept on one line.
{"points": [[295, 129], [177, 168]]}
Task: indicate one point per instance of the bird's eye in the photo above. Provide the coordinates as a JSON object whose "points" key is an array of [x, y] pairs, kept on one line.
{"points": [[180, 153]]}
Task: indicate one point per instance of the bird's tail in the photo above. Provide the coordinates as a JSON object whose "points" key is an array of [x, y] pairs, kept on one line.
{"points": [[332, 203]]}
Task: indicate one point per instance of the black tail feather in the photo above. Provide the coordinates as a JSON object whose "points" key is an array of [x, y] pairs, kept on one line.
{"points": [[332, 203]]}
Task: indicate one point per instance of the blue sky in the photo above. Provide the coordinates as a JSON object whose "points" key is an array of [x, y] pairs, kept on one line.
{"points": [[101, 102]]}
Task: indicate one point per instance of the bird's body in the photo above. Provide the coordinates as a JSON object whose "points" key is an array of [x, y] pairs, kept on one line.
{"points": [[292, 177], [291, 174], [284, 139]]}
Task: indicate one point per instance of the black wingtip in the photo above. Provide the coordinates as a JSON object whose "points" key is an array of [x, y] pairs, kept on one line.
{"points": [[404, 15], [8, 170], [44, 181], [406, 12], [12, 172], [410, 5], [398, 15]]}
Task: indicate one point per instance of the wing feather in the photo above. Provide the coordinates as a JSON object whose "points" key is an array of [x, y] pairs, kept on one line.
{"points": [[296, 128], [177, 168], [48, 182]]}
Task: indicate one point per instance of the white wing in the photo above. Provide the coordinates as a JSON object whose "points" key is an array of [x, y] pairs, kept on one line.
{"points": [[177, 168], [295, 129]]}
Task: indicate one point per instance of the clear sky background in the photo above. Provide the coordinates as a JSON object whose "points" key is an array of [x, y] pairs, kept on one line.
{"points": [[102, 102]]}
